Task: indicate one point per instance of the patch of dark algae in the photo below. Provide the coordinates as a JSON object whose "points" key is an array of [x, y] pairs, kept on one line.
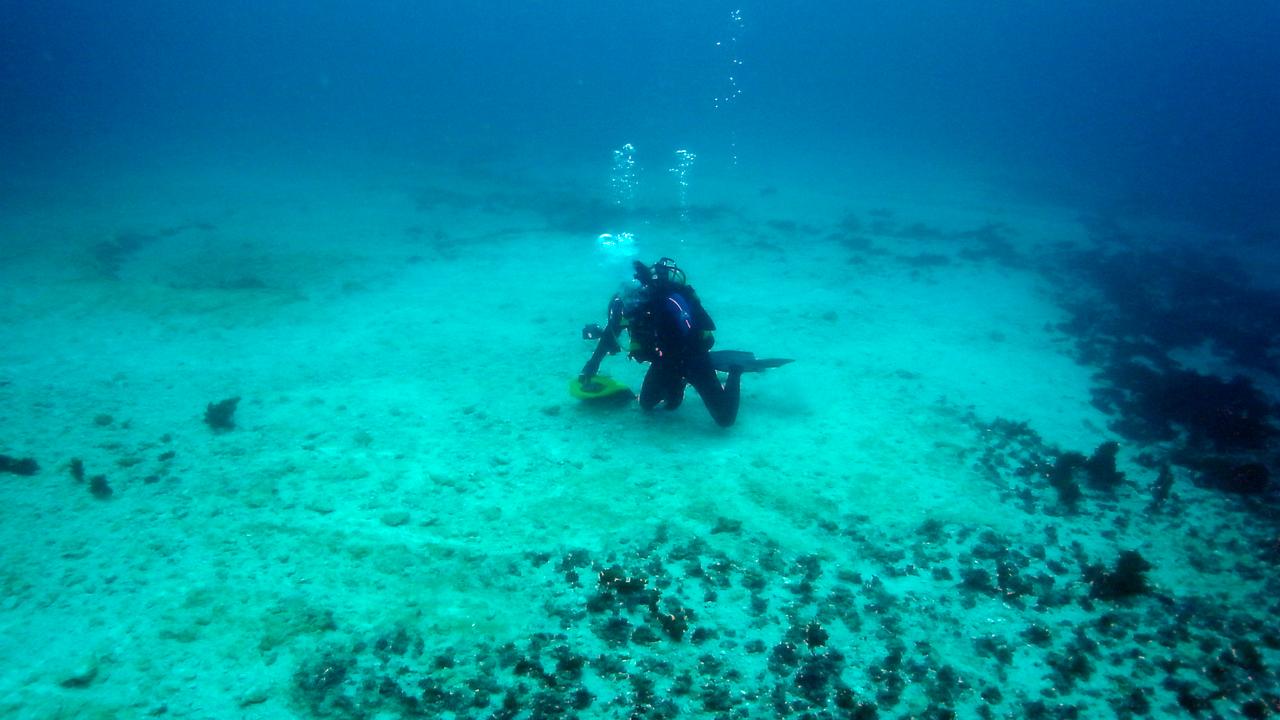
{"points": [[732, 626]]}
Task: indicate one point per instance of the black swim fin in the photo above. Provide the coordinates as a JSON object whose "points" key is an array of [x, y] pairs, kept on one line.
{"points": [[724, 360]]}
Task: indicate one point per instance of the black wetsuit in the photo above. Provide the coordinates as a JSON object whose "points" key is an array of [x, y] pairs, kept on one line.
{"points": [[671, 330]]}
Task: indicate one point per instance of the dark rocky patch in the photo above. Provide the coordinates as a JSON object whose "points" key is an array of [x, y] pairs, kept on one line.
{"points": [[18, 466], [927, 260], [815, 677], [1174, 298], [1229, 475], [111, 255], [986, 243], [674, 622], [99, 487], [1161, 488], [221, 415], [1100, 467], [1154, 404], [1125, 579], [727, 525], [791, 227], [643, 653], [815, 636]]}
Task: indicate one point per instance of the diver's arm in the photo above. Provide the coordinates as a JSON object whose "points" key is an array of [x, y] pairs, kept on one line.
{"points": [[608, 344]]}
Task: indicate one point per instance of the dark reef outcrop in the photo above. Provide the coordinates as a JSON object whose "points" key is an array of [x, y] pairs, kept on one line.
{"points": [[1238, 475], [1134, 311]]}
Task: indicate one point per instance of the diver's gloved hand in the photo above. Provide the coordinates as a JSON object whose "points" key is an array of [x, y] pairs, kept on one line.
{"points": [[590, 370]]}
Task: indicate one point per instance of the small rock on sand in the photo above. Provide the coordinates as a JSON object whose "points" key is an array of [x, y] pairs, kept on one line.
{"points": [[395, 518], [82, 675]]}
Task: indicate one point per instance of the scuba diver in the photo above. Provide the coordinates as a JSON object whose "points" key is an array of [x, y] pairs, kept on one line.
{"points": [[670, 330]]}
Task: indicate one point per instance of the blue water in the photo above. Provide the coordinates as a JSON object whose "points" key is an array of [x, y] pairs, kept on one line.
{"points": [[1169, 111], [1023, 256]]}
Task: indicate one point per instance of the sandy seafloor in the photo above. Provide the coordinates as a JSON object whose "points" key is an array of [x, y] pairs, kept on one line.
{"points": [[413, 518]]}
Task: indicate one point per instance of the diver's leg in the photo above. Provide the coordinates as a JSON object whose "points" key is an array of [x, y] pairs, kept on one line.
{"points": [[721, 401], [652, 389], [662, 383], [675, 391]]}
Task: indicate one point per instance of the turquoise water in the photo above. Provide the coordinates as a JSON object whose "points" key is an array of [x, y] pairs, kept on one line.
{"points": [[292, 297]]}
